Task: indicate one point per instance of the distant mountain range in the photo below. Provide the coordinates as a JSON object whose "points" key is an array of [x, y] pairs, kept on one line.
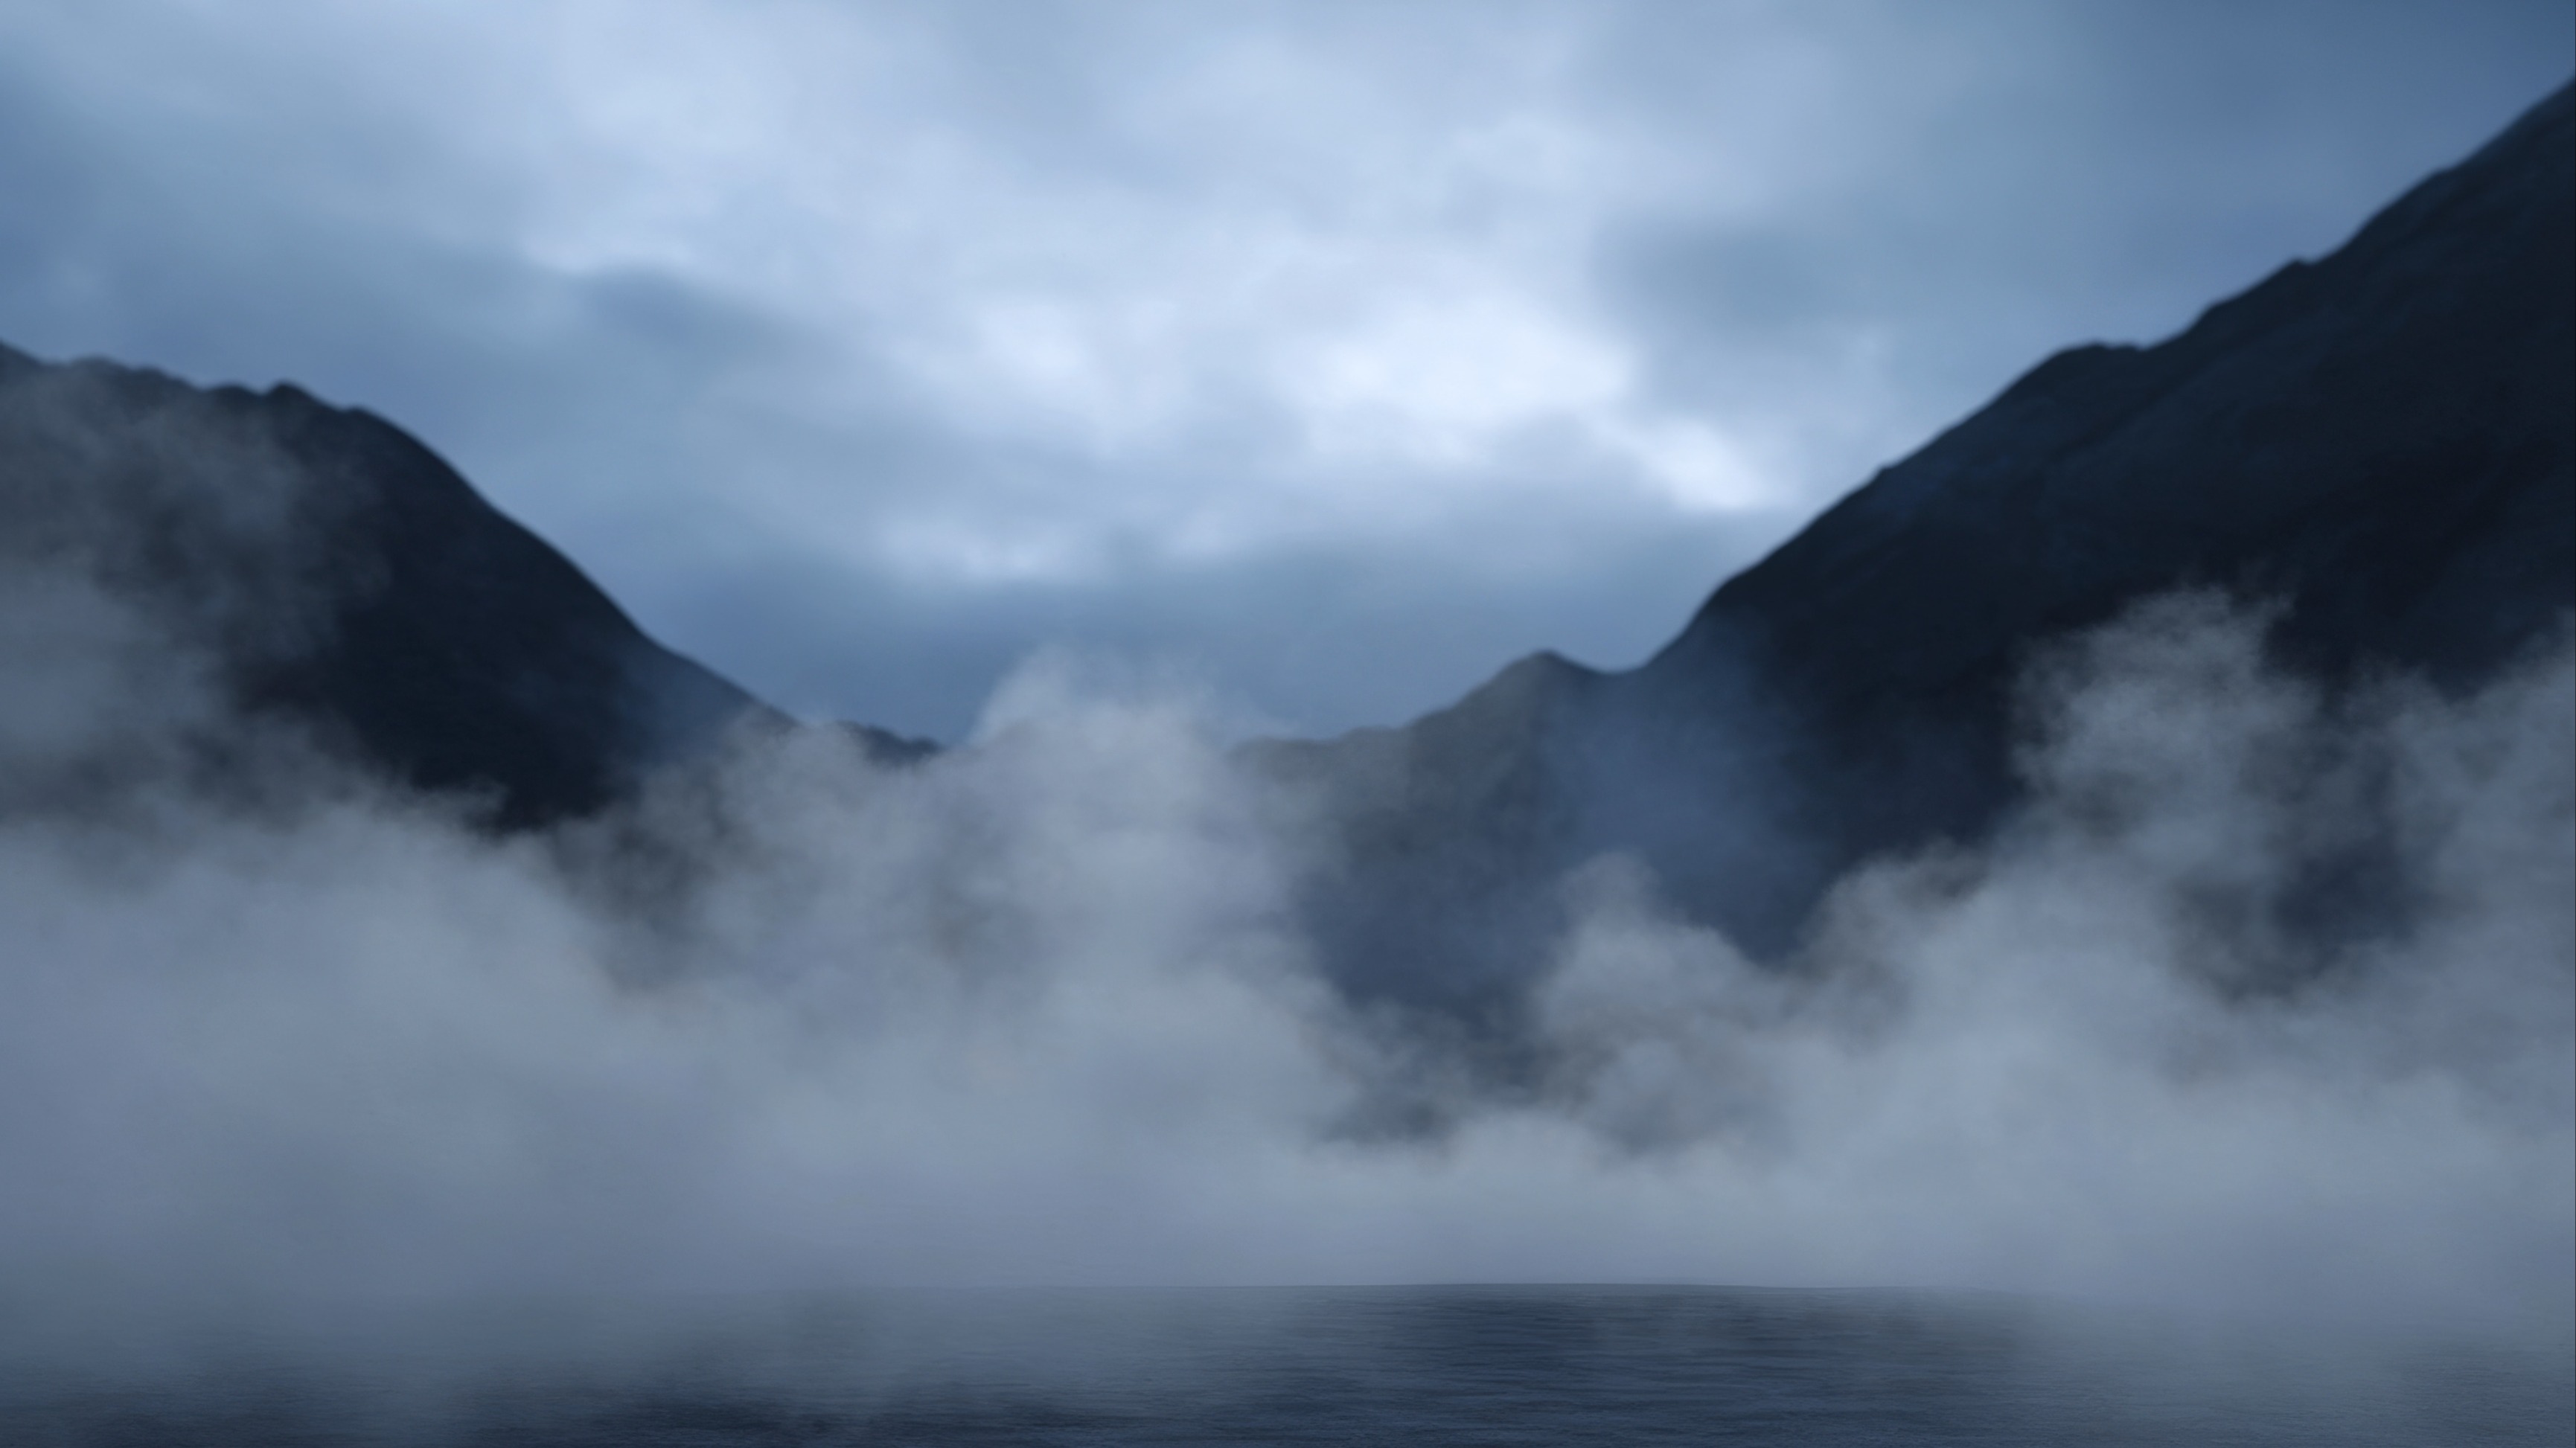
{"points": [[2382, 443]]}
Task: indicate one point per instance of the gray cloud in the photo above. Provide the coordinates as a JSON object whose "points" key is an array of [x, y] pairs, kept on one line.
{"points": [[862, 350]]}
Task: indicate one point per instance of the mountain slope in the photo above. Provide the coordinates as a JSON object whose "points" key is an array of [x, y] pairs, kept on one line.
{"points": [[2381, 444], [320, 567]]}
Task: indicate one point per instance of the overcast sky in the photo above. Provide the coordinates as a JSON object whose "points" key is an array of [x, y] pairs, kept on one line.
{"points": [[1329, 356]]}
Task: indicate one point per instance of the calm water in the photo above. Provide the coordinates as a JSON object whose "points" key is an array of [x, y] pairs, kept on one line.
{"points": [[1518, 1365]]}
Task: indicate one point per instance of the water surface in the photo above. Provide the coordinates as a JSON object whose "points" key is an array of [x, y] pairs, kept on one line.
{"points": [[1422, 1365]]}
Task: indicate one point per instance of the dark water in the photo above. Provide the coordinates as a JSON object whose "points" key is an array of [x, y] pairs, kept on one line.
{"points": [[1503, 1365]]}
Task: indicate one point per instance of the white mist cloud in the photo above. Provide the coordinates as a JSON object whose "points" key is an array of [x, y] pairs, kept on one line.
{"points": [[1038, 1011], [2073, 1063]]}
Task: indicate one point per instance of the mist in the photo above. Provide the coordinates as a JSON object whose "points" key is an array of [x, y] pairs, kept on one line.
{"points": [[1038, 1011]]}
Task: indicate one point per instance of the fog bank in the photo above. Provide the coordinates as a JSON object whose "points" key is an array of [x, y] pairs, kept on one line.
{"points": [[1037, 1011]]}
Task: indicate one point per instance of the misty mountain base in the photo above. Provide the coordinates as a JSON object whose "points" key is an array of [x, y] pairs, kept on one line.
{"points": [[1039, 1010]]}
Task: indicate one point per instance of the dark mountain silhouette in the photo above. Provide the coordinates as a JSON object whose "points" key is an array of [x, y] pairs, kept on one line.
{"points": [[328, 570], [2378, 444]]}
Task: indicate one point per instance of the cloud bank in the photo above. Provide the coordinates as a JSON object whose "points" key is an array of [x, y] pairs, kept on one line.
{"points": [[1339, 352], [1036, 1011]]}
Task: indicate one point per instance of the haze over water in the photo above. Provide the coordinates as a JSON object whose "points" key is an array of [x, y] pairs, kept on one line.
{"points": [[1456, 1365], [1029, 1014]]}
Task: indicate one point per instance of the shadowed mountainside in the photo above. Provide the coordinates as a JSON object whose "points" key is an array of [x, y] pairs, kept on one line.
{"points": [[321, 567], [2377, 445]]}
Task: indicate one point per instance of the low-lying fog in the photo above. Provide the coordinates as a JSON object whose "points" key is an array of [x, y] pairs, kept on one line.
{"points": [[1037, 1011]]}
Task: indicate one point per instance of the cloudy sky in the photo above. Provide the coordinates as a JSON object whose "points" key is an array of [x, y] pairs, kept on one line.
{"points": [[1326, 355]]}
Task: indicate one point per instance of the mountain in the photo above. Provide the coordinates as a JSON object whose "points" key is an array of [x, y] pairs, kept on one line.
{"points": [[319, 567], [2377, 444]]}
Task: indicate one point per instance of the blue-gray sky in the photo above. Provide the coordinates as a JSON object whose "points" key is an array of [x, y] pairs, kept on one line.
{"points": [[1330, 355]]}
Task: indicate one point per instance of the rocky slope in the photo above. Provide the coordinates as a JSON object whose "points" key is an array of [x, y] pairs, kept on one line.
{"points": [[178, 559], [2378, 444]]}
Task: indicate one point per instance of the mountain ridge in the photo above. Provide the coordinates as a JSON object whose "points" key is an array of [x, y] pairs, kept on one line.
{"points": [[339, 575], [2377, 443]]}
